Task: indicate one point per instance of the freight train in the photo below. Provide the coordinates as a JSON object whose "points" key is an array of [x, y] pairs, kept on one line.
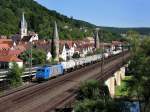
{"points": [[46, 72]]}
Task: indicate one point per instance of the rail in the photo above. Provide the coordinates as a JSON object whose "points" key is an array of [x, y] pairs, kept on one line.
{"points": [[55, 93]]}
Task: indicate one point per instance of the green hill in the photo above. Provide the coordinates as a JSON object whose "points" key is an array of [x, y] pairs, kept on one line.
{"points": [[142, 31], [41, 20]]}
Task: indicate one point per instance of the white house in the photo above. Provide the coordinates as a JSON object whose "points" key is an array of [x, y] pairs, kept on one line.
{"points": [[7, 62], [48, 56], [63, 55], [34, 37], [20, 64], [67, 51]]}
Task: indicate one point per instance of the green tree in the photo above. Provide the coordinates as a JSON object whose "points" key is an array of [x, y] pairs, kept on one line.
{"points": [[38, 56], [92, 97], [25, 56], [98, 51], [134, 39], [76, 55], [89, 90], [139, 68], [53, 49], [14, 75], [89, 105]]}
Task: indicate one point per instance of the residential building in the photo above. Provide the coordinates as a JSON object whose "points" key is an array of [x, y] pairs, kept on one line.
{"points": [[7, 61]]}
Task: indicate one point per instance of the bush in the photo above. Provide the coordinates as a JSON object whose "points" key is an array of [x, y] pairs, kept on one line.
{"points": [[95, 98], [14, 75], [53, 62], [38, 56], [60, 59], [89, 89], [76, 55]]}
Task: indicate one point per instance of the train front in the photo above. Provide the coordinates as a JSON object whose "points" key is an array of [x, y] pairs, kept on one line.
{"points": [[41, 73]]}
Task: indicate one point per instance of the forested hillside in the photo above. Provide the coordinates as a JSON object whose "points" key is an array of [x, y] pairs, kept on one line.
{"points": [[41, 20], [142, 31]]}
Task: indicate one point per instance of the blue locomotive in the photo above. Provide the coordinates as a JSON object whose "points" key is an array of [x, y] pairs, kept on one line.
{"points": [[47, 72]]}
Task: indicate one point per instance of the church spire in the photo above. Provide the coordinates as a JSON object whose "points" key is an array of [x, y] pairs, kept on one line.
{"points": [[97, 44], [56, 36], [23, 28], [55, 43]]}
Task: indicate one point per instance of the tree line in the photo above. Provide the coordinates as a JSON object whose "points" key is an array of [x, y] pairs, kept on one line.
{"points": [[139, 69]]}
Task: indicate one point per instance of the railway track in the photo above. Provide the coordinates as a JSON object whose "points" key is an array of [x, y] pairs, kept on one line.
{"points": [[108, 71], [26, 87], [46, 96]]}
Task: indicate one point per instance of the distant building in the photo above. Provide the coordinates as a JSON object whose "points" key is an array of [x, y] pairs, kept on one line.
{"points": [[5, 44], [84, 47], [9, 53], [117, 45], [67, 49], [90, 39], [24, 35], [7, 61], [48, 56], [63, 55], [3, 37], [66, 27], [123, 34]]}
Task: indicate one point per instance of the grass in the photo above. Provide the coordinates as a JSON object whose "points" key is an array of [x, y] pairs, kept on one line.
{"points": [[123, 89]]}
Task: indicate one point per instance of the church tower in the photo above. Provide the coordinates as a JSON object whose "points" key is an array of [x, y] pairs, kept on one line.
{"points": [[23, 29], [55, 44], [97, 43]]}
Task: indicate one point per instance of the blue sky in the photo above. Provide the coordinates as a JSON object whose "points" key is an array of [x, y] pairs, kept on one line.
{"points": [[118, 13]]}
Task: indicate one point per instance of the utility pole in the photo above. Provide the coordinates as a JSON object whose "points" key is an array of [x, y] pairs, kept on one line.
{"points": [[122, 54], [102, 51], [102, 42]]}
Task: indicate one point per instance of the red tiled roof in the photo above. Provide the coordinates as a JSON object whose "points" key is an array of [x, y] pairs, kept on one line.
{"points": [[6, 43], [22, 47], [10, 52], [67, 43], [5, 46], [5, 40], [9, 59], [116, 42]]}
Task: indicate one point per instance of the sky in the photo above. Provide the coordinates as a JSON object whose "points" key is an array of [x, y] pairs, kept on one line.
{"points": [[116, 13]]}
